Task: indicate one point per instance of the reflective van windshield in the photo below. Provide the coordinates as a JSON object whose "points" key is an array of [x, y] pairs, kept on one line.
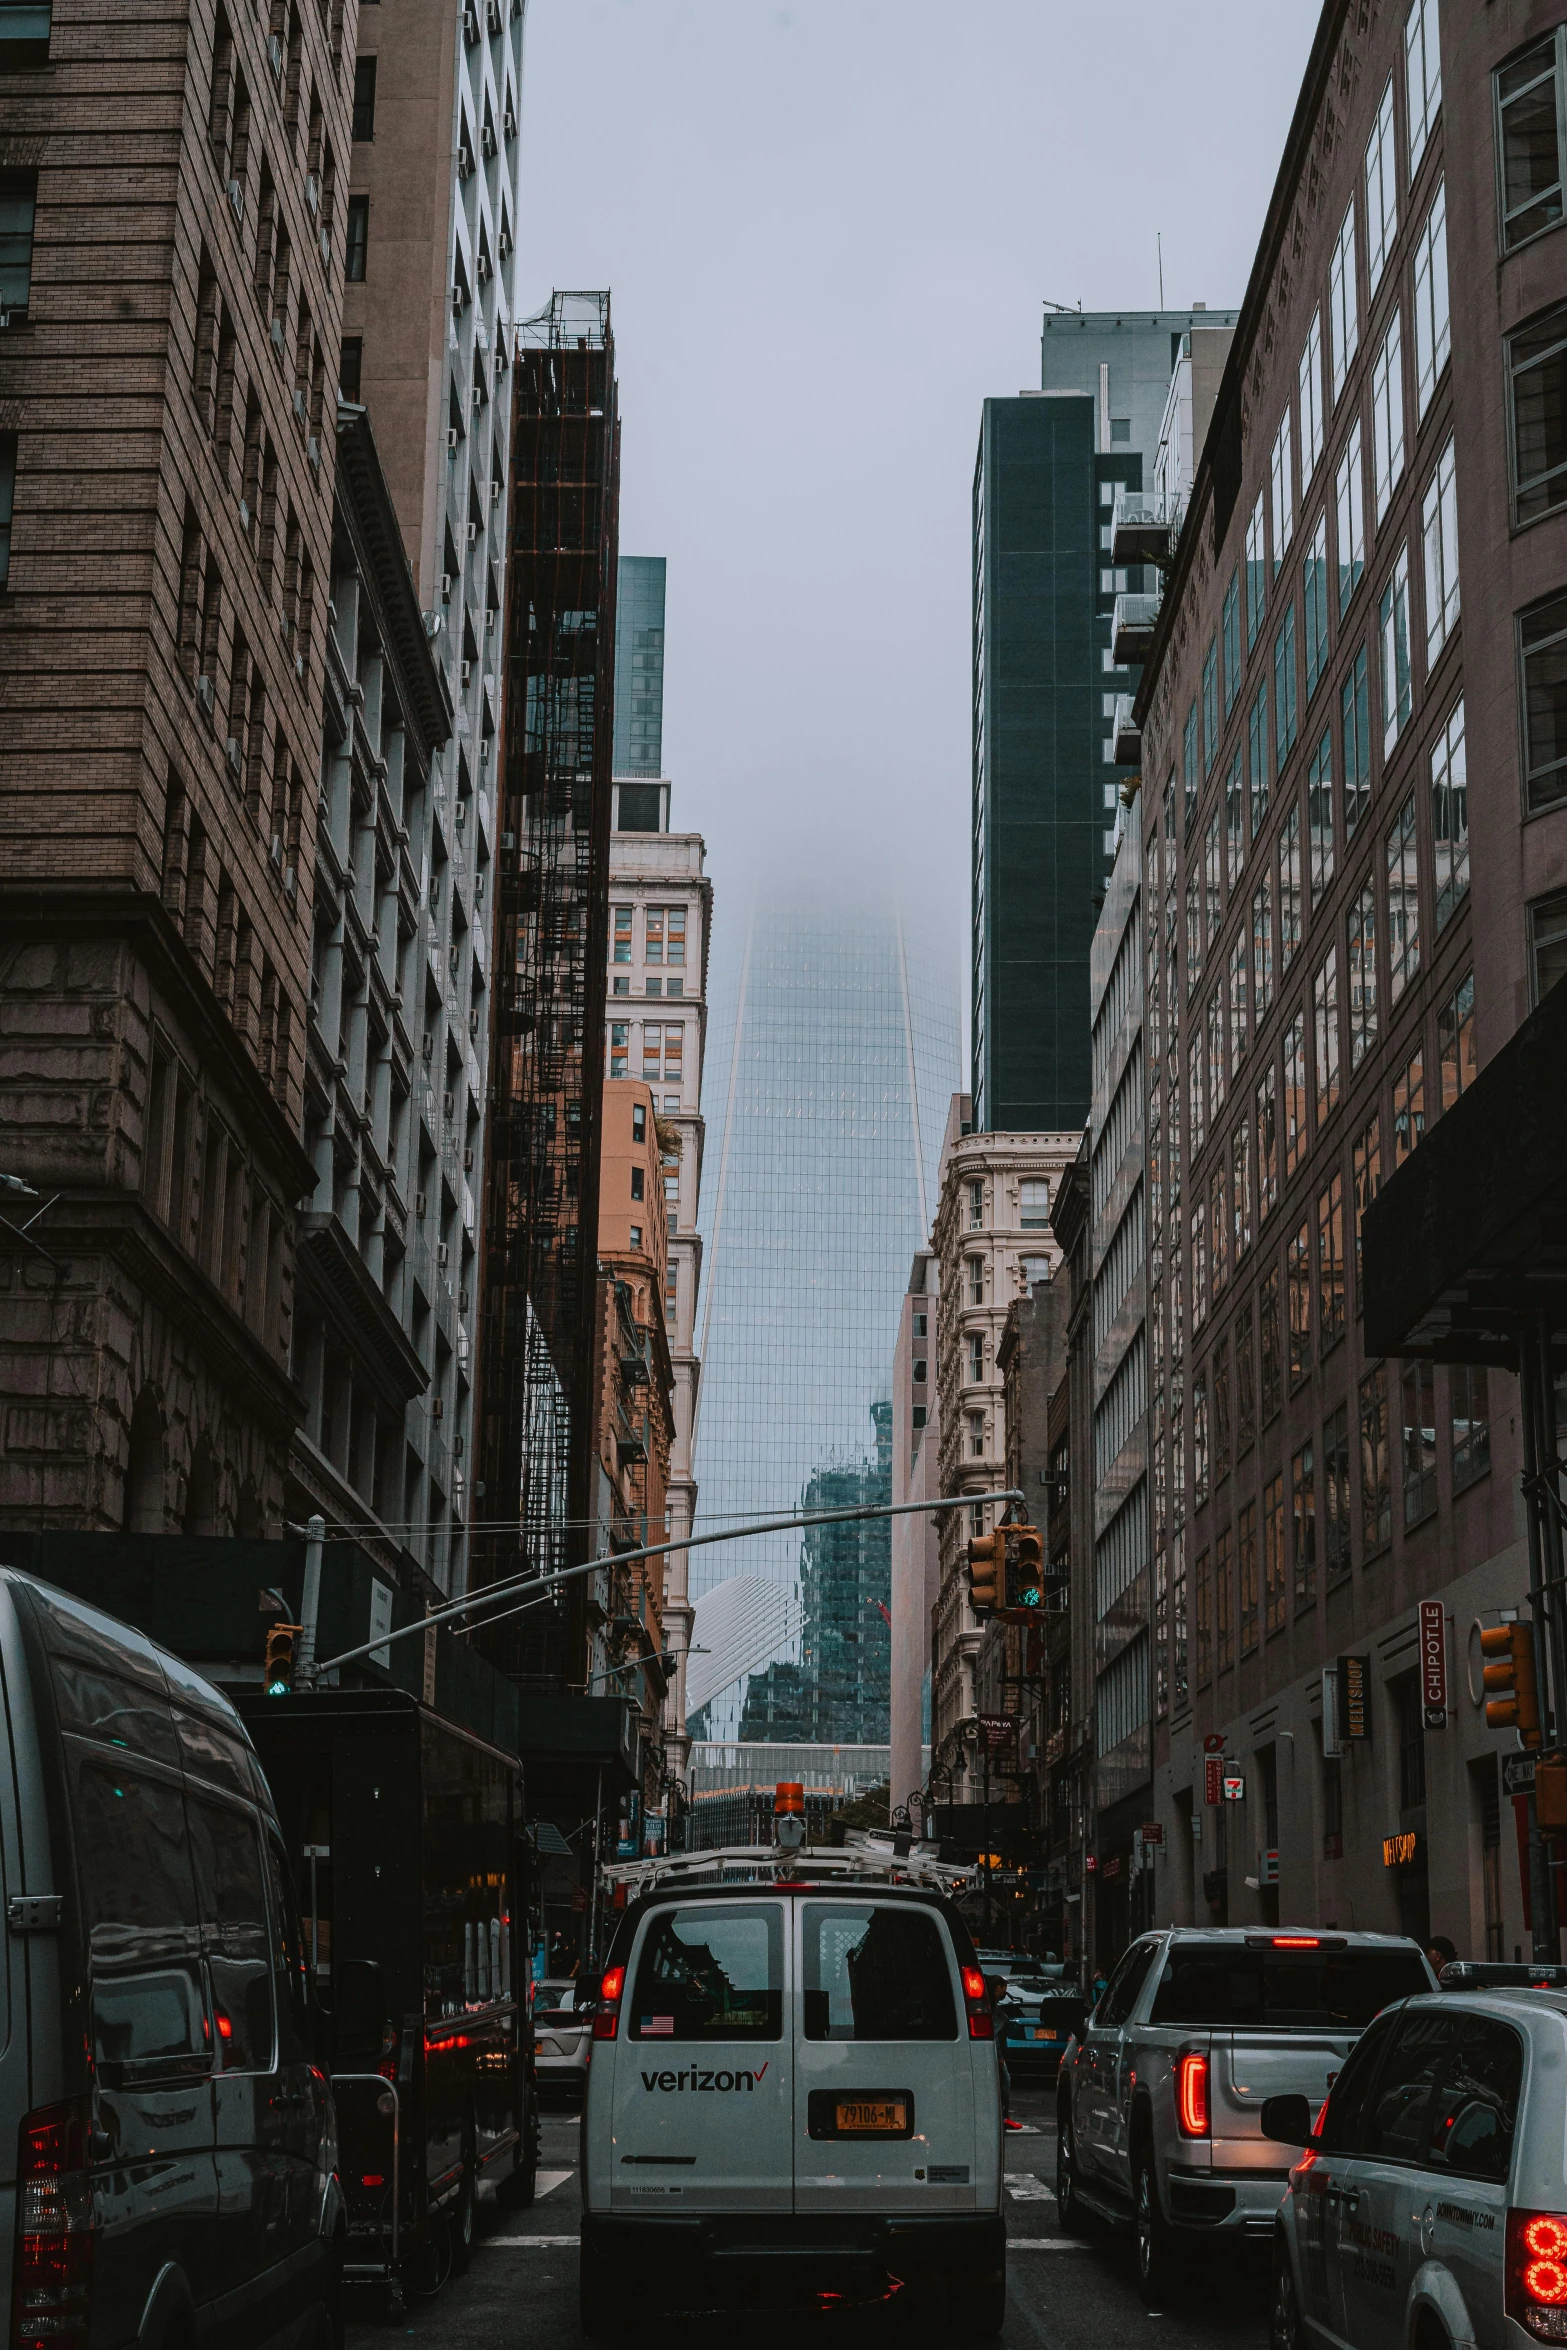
{"points": [[876, 1973], [1225, 1984], [711, 1973]]}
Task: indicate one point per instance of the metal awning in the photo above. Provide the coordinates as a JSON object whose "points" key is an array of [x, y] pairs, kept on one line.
{"points": [[1465, 1247]]}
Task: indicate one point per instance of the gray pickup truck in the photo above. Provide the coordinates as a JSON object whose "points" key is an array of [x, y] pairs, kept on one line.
{"points": [[1159, 2109]]}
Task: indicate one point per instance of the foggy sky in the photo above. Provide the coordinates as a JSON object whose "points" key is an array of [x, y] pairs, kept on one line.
{"points": [[827, 227]]}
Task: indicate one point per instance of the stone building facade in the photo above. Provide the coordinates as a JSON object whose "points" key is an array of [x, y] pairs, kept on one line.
{"points": [[169, 327], [993, 1242], [1370, 583]]}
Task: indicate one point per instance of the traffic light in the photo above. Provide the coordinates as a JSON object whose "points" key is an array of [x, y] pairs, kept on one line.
{"points": [[278, 1678], [1512, 1692], [986, 1555], [1025, 1570]]}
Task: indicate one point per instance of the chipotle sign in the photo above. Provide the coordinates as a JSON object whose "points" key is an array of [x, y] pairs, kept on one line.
{"points": [[1433, 1663]]}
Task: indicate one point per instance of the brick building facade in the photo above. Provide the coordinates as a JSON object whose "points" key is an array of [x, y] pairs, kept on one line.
{"points": [[174, 177]]}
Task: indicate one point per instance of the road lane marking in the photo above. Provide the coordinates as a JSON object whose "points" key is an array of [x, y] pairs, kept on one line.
{"points": [[1025, 2188], [549, 2180], [529, 2243], [1046, 2244]]}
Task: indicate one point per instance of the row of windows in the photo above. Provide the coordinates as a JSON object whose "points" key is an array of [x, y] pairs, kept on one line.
{"points": [[663, 939]]}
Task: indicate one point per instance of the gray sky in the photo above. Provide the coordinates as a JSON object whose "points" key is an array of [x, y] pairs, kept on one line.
{"points": [[828, 226]]}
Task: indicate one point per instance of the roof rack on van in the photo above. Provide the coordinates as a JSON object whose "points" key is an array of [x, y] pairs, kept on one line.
{"points": [[765, 1864]]}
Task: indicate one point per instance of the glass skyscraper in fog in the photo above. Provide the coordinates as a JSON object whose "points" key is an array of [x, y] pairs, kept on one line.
{"points": [[833, 1053]]}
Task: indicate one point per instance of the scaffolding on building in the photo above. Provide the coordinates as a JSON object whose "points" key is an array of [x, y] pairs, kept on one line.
{"points": [[547, 1052]]}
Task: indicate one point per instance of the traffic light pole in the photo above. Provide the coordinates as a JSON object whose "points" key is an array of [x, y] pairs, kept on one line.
{"points": [[536, 1589], [1537, 1410]]}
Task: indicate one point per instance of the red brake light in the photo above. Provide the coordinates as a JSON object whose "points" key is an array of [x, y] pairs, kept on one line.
{"points": [[614, 1982], [1191, 2096], [52, 2297], [1536, 2289], [1297, 1942], [973, 1982], [606, 2016], [981, 2021]]}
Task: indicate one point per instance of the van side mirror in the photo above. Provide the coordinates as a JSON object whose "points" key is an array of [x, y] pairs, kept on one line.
{"points": [[358, 2015], [1287, 2120]]}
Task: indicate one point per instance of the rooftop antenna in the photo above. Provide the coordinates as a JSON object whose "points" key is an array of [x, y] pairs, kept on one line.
{"points": [[1159, 240]]}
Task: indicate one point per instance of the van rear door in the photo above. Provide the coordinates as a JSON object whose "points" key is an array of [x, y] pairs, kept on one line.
{"points": [[884, 2086], [702, 2102]]}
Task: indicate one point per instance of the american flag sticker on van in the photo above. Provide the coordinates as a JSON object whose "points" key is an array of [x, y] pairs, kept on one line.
{"points": [[657, 2026]]}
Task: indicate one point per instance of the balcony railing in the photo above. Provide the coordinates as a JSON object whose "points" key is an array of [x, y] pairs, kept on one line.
{"points": [[1128, 744], [1144, 527], [1132, 629]]}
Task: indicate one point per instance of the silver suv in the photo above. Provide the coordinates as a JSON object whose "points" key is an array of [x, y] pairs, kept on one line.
{"points": [[1430, 2207], [1160, 2106]]}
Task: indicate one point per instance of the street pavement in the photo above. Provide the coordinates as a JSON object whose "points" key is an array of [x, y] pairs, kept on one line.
{"points": [[1063, 2292]]}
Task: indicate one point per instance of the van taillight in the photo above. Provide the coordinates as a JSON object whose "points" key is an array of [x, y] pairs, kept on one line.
{"points": [[1191, 2095], [51, 2301], [1536, 2290], [606, 2016], [981, 2020]]}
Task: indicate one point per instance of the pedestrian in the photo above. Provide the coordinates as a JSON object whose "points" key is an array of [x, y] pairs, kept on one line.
{"points": [[1003, 2012], [1098, 1987], [1441, 1952]]}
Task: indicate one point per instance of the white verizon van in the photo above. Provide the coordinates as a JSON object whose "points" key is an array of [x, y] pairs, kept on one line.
{"points": [[793, 2092]]}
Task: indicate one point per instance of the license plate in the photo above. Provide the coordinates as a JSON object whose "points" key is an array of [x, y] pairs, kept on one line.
{"points": [[874, 2117]]}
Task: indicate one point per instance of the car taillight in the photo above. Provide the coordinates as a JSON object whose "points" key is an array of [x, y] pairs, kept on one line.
{"points": [[981, 2019], [1191, 2095], [1536, 2291], [606, 2016], [51, 2301]]}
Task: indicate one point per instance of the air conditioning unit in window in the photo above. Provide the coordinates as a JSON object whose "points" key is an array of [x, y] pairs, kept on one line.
{"points": [[467, 672], [233, 754], [462, 1301], [509, 123], [473, 1020], [277, 336], [275, 57], [451, 436], [446, 587], [206, 694], [442, 1254], [301, 407], [421, 1203], [448, 1105], [473, 534], [326, 248], [488, 140], [494, 17], [484, 752], [427, 1046], [237, 199], [277, 850], [313, 452], [464, 161], [467, 1161], [462, 815], [508, 840], [290, 880], [438, 1408], [312, 194], [470, 25], [489, 621]]}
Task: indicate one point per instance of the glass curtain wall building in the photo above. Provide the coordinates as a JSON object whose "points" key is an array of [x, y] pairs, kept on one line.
{"points": [[639, 668], [833, 1052]]}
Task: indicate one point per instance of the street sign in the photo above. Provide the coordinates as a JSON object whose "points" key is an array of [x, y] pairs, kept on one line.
{"points": [[1517, 1774], [998, 1730], [1234, 1787], [1153, 1831], [1213, 1743], [1433, 1663], [1213, 1778], [1399, 1850], [1332, 1713], [1268, 1866]]}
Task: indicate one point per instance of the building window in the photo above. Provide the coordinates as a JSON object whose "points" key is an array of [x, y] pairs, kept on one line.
{"points": [[1275, 1575], [1403, 901], [1299, 1271], [1356, 703], [350, 366], [1245, 1384], [921, 1370], [364, 98], [1409, 1108], [1224, 1601], [639, 1121], [636, 1236], [1397, 682], [1314, 582], [976, 1357], [1439, 537], [976, 1281], [1269, 1347], [1189, 774], [675, 927], [1285, 715], [1203, 1626], [1423, 75], [619, 1032], [976, 1207], [1547, 936], [1530, 163], [1469, 1423], [1360, 933], [1387, 416], [1267, 1146], [1376, 1485], [1035, 1205], [1319, 815], [1381, 190], [1366, 1174], [1231, 631], [1330, 1264], [1542, 658], [1289, 888], [1262, 947], [976, 1435], [1537, 414], [922, 1325], [1433, 322], [1235, 816], [1256, 572], [1324, 997], [1349, 498], [1281, 489], [358, 245], [1294, 1093], [622, 934], [638, 1183], [7, 500], [1210, 705], [18, 207], [1335, 1493], [1257, 746], [1199, 1440], [24, 33], [1455, 1036], [1310, 388], [1303, 1524], [1343, 302], [1450, 817], [1418, 1389]]}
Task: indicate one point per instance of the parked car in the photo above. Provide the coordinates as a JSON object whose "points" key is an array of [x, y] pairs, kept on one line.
{"points": [[404, 1834], [1429, 2206], [562, 2037], [167, 2134], [1159, 2111], [1048, 2011], [794, 2092]]}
